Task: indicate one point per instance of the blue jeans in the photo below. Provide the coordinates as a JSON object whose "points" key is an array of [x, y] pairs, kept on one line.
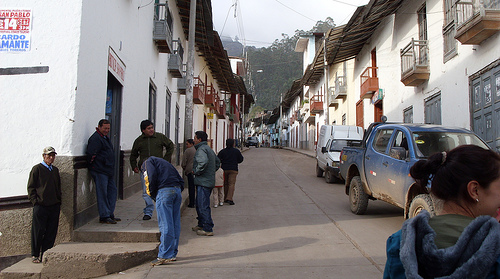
{"points": [[106, 193], [168, 209], [203, 208], [150, 206]]}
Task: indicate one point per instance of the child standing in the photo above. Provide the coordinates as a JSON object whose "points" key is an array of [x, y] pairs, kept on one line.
{"points": [[218, 191]]}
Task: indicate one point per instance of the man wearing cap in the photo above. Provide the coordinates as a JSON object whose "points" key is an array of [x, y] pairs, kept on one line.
{"points": [[101, 162], [44, 192]]}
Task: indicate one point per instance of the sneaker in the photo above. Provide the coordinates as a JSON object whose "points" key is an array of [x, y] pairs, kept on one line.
{"points": [[202, 232], [146, 217], [107, 221], [160, 261], [215, 205], [196, 228], [221, 203]]}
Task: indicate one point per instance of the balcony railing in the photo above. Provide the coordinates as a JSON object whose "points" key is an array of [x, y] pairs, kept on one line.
{"points": [[221, 111], [340, 87], [199, 91], [212, 97], [477, 20], [316, 103], [182, 85], [369, 82], [162, 32], [414, 63], [175, 67]]}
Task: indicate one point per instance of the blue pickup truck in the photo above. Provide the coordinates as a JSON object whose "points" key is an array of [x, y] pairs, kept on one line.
{"points": [[380, 167]]}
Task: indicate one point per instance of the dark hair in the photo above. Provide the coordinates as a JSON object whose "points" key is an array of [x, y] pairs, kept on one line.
{"points": [[145, 124], [201, 135], [230, 143], [450, 172], [103, 121], [191, 141]]}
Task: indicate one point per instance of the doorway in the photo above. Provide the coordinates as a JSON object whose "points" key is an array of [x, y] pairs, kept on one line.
{"points": [[113, 114]]}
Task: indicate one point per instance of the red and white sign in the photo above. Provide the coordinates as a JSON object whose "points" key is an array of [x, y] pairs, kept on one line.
{"points": [[15, 30], [116, 66]]}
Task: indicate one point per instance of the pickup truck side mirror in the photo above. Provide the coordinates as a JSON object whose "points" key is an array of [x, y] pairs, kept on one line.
{"points": [[323, 149], [398, 153]]}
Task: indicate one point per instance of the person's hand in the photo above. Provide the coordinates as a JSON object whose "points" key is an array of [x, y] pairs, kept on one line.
{"points": [[136, 170]]}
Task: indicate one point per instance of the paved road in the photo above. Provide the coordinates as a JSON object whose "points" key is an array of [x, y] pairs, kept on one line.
{"points": [[286, 223]]}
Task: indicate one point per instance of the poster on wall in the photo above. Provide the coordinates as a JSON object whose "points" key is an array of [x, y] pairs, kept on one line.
{"points": [[15, 30]]}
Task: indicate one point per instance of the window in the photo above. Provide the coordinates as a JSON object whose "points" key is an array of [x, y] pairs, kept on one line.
{"points": [[399, 148], [433, 110], [344, 119], [168, 105], [382, 140], [449, 30], [408, 115], [152, 103]]}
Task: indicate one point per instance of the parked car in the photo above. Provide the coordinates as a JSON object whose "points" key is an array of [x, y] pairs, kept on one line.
{"points": [[380, 168], [332, 138], [252, 141]]}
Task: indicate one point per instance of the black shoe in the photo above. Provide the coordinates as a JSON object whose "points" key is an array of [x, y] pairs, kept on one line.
{"points": [[107, 221], [146, 217], [226, 201], [190, 206], [230, 202], [117, 219]]}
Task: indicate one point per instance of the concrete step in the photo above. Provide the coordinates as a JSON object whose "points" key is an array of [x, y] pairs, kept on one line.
{"points": [[84, 260], [114, 236]]}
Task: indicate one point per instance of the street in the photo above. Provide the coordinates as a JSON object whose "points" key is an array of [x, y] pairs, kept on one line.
{"points": [[286, 222]]}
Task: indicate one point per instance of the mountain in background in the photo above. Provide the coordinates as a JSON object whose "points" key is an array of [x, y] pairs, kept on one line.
{"points": [[274, 68]]}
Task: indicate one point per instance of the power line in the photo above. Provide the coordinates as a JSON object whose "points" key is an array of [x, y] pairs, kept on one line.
{"points": [[296, 11]]}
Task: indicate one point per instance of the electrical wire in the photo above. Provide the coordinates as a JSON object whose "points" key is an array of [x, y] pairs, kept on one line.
{"points": [[144, 5], [296, 11]]}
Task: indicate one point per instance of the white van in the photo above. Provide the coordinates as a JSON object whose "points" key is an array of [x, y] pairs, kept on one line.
{"points": [[332, 138]]}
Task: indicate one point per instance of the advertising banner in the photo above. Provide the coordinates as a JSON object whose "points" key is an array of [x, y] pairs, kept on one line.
{"points": [[15, 30]]}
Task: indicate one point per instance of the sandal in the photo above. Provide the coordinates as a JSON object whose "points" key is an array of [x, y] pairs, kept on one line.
{"points": [[35, 259]]}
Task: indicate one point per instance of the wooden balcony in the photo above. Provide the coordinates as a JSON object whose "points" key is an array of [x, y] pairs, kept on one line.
{"points": [[162, 31], [414, 63], [181, 85], [340, 88], [477, 20], [199, 91], [221, 109], [175, 66], [212, 97], [369, 82], [316, 104]]}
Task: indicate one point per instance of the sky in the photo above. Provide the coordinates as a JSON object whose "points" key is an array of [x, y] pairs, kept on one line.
{"points": [[260, 22]]}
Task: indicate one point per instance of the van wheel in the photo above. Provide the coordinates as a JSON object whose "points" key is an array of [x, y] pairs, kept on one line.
{"points": [[319, 172], [358, 199], [419, 203], [329, 178]]}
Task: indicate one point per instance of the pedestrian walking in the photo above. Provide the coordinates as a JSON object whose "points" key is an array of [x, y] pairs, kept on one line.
{"points": [[218, 191], [101, 163], [205, 164], [463, 240], [187, 167], [44, 192], [164, 185], [230, 157], [149, 143]]}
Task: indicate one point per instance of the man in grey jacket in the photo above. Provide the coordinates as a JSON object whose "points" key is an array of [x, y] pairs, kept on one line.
{"points": [[205, 164]]}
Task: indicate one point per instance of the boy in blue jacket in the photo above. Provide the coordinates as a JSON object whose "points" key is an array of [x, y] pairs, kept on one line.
{"points": [[164, 185]]}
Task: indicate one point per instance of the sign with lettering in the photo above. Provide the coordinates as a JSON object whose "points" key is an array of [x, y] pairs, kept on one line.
{"points": [[15, 30], [116, 66]]}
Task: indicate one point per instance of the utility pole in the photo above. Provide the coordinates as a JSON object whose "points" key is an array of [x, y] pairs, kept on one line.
{"points": [[188, 119], [327, 91], [281, 119]]}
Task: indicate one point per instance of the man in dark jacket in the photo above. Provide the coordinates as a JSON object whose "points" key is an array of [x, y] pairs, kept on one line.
{"points": [[101, 162], [230, 157], [205, 164], [164, 185], [149, 143], [44, 192]]}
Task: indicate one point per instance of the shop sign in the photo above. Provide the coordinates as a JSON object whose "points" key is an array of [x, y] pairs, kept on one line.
{"points": [[116, 66]]}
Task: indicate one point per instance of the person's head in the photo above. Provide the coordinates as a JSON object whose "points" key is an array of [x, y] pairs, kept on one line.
{"points": [[189, 143], [104, 126], [49, 155], [230, 143], [147, 128], [200, 136], [468, 176]]}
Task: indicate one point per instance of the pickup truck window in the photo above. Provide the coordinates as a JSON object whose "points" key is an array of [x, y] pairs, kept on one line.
{"points": [[382, 140], [428, 143], [337, 145]]}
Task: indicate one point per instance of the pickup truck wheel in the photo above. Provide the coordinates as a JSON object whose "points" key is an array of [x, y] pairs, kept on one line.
{"points": [[329, 178], [319, 172], [420, 202], [357, 197]]}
